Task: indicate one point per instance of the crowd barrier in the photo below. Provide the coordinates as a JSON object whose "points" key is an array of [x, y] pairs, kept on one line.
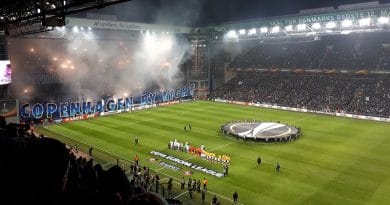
{"points": [[339, 114]]}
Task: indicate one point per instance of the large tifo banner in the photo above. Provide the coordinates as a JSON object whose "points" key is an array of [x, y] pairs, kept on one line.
{"points": [[81, 110]]}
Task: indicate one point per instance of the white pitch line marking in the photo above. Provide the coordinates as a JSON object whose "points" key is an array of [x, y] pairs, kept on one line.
{"points": [[222, 146], [108, 163], [224, 197], [305, 118], [181, 194], [177, 179]]}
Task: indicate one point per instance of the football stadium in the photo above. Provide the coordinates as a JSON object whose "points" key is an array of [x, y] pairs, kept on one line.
{"points": [[183, 102]]}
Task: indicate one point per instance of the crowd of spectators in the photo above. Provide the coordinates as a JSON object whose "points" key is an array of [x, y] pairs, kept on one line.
{"points": [[40, 170], [364, 95], [345, 52]]}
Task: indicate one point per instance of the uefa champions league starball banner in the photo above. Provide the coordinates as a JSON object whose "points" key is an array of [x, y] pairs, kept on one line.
{"points": [[75, 109]]}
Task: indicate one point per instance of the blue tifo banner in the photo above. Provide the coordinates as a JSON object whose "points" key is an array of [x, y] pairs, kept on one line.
{"points": [[187, 164], [74, 109]]}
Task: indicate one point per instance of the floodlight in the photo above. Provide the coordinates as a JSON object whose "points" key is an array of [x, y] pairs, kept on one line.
{"points": [[75, 29], [331, 24], [231, 34], [275, 29], [364, 22], [346, 32], [383, 20], [252, 31], [242, 31], [346, 23], [316, 26], [301, 27], [288, 28], [263, 30], [149, 37]]}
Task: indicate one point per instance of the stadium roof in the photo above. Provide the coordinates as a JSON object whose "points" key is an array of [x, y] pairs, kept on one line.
{"points": [[206, 12], [249, 16]]}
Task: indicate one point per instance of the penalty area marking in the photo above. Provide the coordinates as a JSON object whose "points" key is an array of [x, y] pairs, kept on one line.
{"points": [[181, 194], [177, 179], [108, 163]]}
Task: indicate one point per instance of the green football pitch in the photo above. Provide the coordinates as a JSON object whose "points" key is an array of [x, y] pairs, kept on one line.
{"points": [[335, 161]]}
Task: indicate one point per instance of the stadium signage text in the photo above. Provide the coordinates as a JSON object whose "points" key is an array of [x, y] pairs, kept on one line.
{"points": [[169, 166], [342, 114], [305, 19], [123, 25], [75, 109], [187, 164]]}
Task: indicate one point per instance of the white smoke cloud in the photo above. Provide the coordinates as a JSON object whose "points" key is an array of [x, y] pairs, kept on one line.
{"points": [[91, 68]]}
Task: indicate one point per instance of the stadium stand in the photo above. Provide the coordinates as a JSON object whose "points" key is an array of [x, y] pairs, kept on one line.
{"points": [[40, 170], [341, 52], [357, 94]]}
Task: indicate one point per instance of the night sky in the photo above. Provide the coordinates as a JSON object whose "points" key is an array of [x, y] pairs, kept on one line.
{"points": [[208, 12]]}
